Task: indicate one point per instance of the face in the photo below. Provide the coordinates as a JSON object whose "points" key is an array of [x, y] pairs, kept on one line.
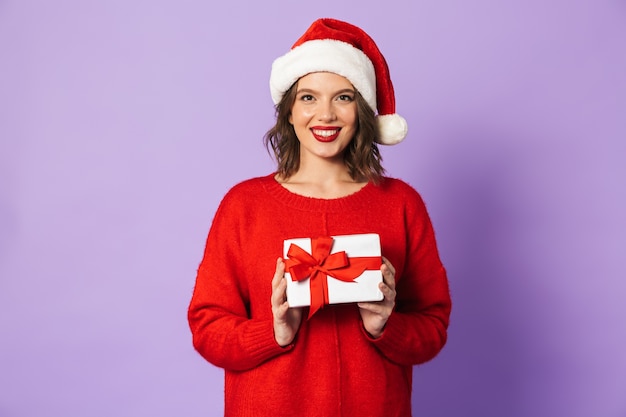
{"points": [[324, 115]]}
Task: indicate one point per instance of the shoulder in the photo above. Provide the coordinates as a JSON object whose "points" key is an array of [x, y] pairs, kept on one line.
{"points": [[404, 197], [399, 188], [249, 188], [401, 195], [242, 196]]}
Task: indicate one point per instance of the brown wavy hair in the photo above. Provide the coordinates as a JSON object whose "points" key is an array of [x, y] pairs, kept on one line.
{"points": [[361, 156]]}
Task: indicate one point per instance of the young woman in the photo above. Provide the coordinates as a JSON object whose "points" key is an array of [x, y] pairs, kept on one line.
{"points": [[335, 102]]}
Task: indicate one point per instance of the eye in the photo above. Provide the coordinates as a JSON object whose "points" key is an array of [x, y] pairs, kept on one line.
{"points": [[345, 97], [306, 97]]}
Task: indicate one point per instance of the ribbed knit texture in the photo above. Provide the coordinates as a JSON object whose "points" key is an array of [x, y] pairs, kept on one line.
{"points": [[333, 368]]}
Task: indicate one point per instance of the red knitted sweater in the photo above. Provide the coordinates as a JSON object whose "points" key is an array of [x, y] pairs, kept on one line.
{"points": [[333, 368]]}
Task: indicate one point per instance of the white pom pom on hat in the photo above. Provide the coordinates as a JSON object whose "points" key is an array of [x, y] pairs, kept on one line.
{"points": [[334, 46]]}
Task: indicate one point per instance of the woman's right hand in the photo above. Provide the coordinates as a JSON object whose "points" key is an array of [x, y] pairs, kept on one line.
{"points": [[286, 320]]}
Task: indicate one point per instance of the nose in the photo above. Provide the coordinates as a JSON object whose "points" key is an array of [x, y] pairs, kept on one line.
{"points": [[326, 111]]}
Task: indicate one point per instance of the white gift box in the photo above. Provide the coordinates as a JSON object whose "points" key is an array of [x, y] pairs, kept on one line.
{"points": [[364, 287]]}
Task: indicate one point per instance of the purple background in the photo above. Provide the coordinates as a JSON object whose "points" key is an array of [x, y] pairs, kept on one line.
{"points": [[123, 123]]}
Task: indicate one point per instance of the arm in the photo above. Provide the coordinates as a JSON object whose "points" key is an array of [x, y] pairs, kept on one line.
{"points": [[416, 330], [219, 311]]}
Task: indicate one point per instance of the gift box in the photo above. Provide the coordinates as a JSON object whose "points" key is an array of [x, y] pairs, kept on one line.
{"points": [[332, 270]]}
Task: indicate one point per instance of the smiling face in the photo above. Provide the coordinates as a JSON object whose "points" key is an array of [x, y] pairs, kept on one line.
{"points": [[324, 115]]}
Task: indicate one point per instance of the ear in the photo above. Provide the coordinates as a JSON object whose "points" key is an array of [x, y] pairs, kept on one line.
{"points": [[290, 119]]}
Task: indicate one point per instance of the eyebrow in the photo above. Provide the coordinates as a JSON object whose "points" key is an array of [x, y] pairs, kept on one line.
{"points": [[342, 91]]}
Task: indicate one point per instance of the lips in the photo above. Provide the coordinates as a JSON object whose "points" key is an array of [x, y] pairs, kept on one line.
{"points": [[325, 133]]}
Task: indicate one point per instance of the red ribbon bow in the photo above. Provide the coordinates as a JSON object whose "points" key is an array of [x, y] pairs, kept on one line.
{"points": [[321, 263]]}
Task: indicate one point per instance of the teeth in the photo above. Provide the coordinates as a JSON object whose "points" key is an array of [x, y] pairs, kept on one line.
{"points": [[325, 133]]}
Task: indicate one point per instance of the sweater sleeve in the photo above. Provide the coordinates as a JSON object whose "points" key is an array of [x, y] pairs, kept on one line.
{"points": [[417, 329], [219, 317]]}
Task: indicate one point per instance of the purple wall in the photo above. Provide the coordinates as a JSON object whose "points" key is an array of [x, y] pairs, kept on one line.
{"points": [[122, 124]]}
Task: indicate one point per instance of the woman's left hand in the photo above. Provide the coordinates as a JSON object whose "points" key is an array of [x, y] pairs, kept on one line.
{"points": [[376, 314]]}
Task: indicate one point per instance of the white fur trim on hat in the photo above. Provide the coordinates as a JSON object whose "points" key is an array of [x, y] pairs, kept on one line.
{"points": [[324, 55]]}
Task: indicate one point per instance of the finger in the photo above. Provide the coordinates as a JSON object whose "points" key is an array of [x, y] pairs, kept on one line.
{"points": [[281, 310], [279, 285], [279, 273], [391, 268], [371, 307], [388, 276], [388, 292], [389, 273], [279, 293]]}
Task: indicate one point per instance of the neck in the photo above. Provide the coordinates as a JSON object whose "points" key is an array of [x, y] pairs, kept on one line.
{"points": [[322, 172], [322, 180]]}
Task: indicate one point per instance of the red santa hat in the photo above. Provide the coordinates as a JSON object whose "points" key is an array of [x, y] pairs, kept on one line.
{"points": [[331, 45]]}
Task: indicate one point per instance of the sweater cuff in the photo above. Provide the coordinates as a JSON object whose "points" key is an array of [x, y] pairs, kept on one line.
{"points": [[261, 342], [392, 335]]}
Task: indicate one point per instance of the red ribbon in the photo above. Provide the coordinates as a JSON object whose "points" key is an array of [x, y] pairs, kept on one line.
{"points": [[321, 263]]}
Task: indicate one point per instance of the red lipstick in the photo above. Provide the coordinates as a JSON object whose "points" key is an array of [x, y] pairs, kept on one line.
{"points": [[325, 133]]}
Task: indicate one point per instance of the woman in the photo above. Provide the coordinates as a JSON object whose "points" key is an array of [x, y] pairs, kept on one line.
{"points": [[350, 359]]}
